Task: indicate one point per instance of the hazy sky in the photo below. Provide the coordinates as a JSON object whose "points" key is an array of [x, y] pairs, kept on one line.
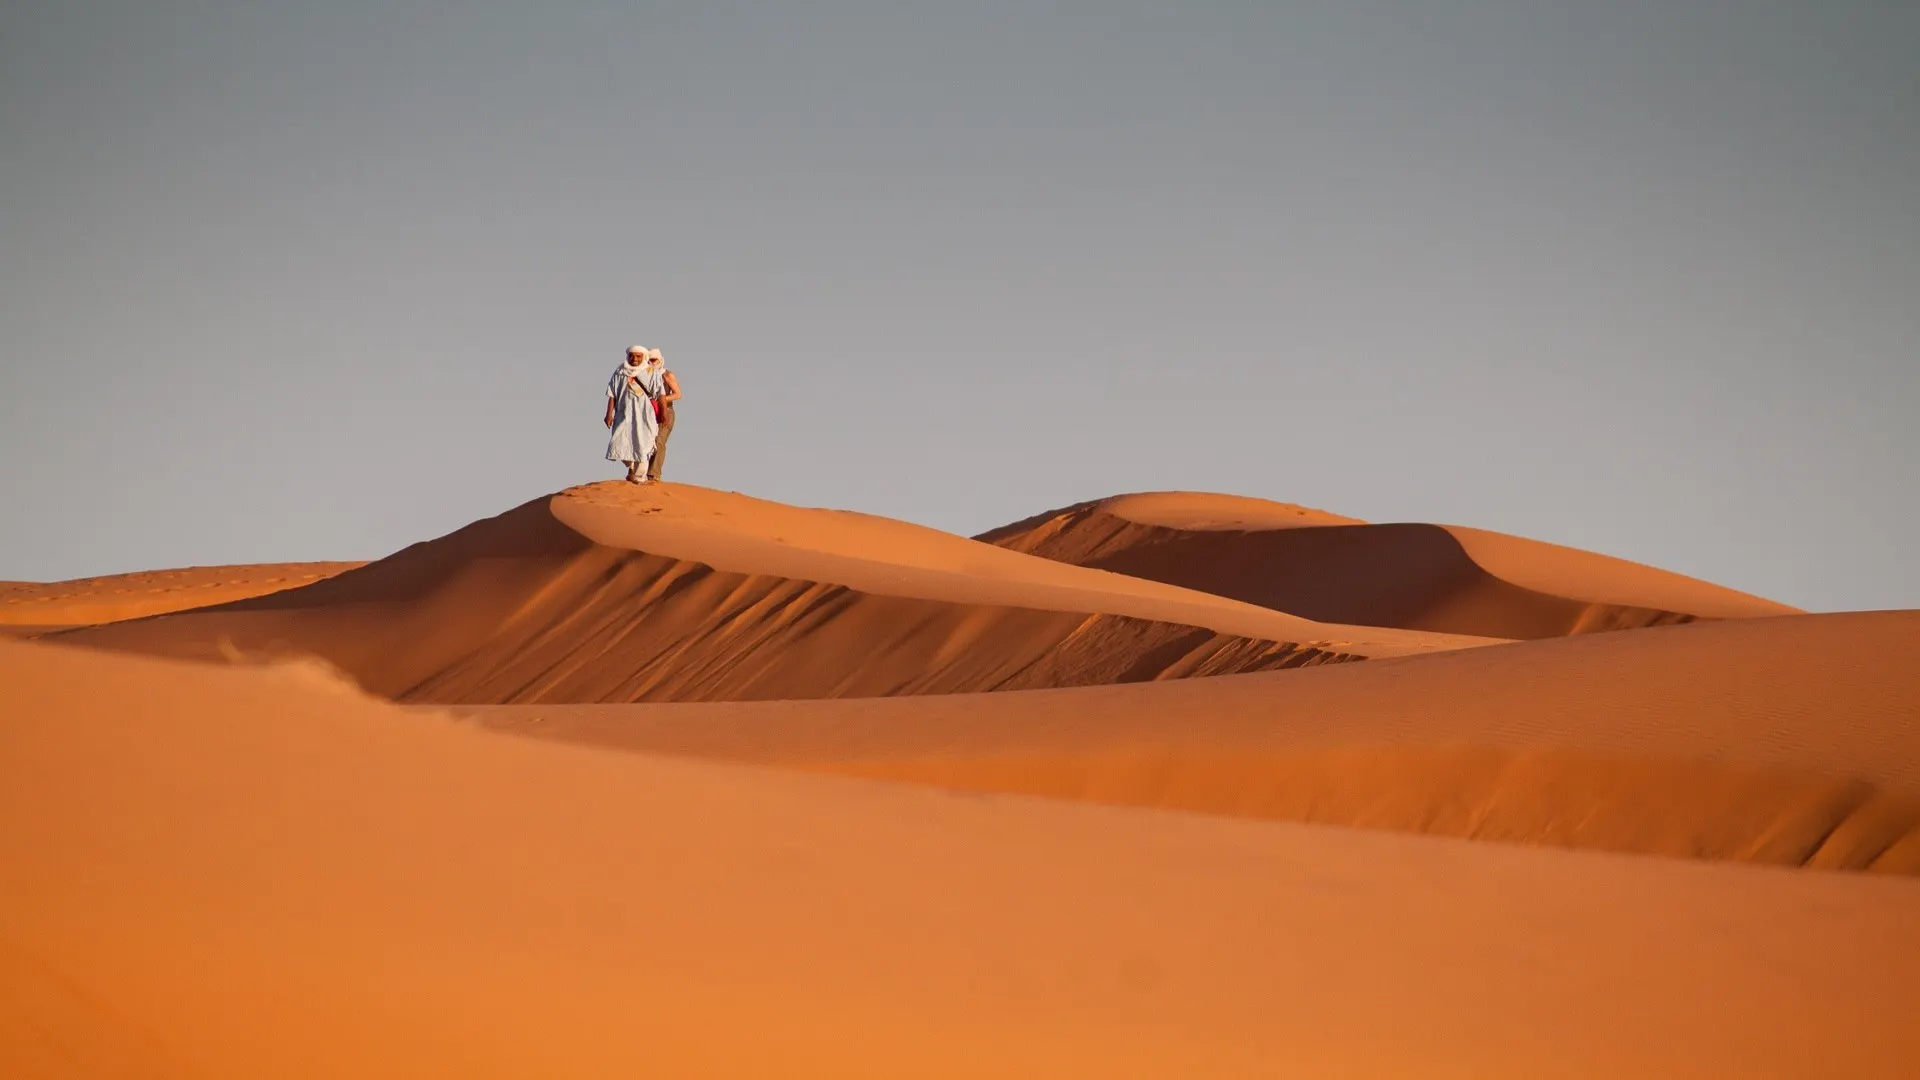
{"points": [[307, 281]]}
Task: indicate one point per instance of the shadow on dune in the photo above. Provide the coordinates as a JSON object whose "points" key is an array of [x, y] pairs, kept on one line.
{"points": [[522, 608], [1409, 576]]}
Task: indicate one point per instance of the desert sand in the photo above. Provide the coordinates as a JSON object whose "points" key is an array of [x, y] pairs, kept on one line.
{"points": [[615, 593], [1338, 569], [30, 607], [1792, 741], [676, 782]]}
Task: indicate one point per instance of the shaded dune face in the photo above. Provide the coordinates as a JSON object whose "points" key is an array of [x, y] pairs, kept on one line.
{"points": [[1409, 576], [1789, 742], [522, 608]]}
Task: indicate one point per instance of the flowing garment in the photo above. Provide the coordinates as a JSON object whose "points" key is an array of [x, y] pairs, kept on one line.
{"points": [[633, 388]]}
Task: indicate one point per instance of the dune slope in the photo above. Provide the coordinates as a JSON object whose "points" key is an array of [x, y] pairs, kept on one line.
{"points": [[579, 598], [86, 601], [1790, 741], [1333, 569], [427, 900]]}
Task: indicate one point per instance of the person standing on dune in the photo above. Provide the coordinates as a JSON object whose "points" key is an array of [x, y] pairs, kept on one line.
{"points": [[631, 423], [663, 412]]}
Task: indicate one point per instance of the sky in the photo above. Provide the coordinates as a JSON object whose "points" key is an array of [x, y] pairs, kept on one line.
{"points": [[316, 281]]}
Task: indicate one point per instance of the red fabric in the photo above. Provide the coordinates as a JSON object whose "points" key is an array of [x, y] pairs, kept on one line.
{"points": [[659, 411]]}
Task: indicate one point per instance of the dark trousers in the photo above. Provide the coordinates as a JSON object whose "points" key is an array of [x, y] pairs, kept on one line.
{"points": [[660, 443]]}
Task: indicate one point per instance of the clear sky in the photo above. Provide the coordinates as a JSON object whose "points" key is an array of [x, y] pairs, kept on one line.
{"points": [[307, 281]]}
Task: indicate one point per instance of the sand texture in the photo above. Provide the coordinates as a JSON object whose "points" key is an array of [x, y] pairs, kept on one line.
{"points": [[1321, 566], [596, 596], [672, 782], [85, 601], [424, 899], [1792, 741]]}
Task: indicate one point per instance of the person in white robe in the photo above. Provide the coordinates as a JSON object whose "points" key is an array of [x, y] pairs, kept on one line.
{"points": [[631, 423]]}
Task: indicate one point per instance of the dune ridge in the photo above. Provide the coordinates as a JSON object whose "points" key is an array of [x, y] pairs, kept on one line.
{"points": [[529, 607], [1790, 741], [735, 532], [1329, 568], [115, 597], [1558, 798]]}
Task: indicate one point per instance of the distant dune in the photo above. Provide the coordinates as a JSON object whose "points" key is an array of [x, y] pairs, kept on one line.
{"points": [[1321, 566], [86, 601]]}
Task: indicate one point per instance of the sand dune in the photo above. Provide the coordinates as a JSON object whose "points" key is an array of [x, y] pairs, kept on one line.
{"points": [[1785, 740], [1790, 741], [244, 872], [1329, 568], [86, 601], [734, 532], [252, 868], [613, 593]]}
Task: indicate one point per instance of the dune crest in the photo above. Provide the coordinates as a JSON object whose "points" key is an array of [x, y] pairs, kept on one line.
{"points": [[86, 601], [583, 597], [1319, 566], [1557, 798]]}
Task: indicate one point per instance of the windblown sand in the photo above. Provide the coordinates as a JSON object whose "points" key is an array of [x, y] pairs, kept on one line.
{"points": [[1217, 817]]}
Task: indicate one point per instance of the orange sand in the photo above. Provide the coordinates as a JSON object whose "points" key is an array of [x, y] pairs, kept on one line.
{"points": [[1792, 740], [248, 869], [242, 872], [85, 601], [595, 595], [1321, 566]]}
